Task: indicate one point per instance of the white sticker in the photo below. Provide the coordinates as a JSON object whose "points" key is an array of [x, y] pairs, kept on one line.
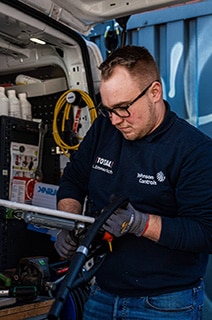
{"points": [[71, 97]]}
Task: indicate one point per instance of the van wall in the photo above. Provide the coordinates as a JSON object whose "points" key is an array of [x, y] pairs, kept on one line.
{"points": [[180, 39]]}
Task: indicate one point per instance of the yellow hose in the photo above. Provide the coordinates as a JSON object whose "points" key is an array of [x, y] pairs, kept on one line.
{"points": [[63, 104]]}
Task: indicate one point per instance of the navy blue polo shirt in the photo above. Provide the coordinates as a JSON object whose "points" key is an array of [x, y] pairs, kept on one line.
{"points": [[166, 173]]}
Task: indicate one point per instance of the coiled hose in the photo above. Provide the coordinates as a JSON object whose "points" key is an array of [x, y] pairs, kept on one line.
{"points": [[65, 103]]}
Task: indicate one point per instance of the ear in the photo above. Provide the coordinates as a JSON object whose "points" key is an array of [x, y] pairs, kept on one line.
{"points": [[156, 91]]}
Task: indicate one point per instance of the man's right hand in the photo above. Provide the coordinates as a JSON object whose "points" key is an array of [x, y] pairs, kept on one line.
{"points": [[65, 245]]}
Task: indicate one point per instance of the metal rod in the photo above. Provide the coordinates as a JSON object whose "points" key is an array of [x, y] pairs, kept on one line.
{"points": [[50, 212]]}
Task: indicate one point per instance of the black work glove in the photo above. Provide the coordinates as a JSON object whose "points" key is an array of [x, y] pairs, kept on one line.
{"points": [[65, 245], [127, 220]]}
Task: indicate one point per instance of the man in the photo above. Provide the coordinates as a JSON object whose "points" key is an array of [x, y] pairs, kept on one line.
{"points": [[139, 148]]}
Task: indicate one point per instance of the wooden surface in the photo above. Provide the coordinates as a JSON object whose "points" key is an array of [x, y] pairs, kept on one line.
{"points": [[35, 308]]}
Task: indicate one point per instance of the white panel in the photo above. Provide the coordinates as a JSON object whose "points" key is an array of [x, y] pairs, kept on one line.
{"points": [[82, 15]]}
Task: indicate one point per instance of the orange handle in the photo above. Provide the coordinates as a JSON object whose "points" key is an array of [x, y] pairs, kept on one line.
{"points": [[109, 238]]}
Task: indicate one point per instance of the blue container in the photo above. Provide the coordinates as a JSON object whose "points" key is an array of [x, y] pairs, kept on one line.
{"points": [[180, 39]]}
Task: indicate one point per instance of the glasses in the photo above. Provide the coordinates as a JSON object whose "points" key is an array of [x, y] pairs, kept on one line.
{"points": [[122, 112]]}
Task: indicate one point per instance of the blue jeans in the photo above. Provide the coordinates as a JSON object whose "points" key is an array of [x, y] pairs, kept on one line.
{"points": [[181, 305]]}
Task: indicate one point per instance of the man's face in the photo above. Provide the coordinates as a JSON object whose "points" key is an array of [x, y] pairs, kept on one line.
{"points": [[120, 90]]}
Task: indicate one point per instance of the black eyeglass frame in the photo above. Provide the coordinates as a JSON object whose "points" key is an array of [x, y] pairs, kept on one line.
{"points": [[107, 112]]}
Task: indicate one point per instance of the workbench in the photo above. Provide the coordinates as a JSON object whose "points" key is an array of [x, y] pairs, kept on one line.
{"points": [[30, 310]]}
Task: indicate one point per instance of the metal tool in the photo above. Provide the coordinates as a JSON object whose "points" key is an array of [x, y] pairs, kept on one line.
{"points": [[22, 207], [80, 257], [38, 174]]}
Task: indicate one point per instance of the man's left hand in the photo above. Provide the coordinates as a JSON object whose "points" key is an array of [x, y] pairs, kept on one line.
{"points": [[127, 220]]}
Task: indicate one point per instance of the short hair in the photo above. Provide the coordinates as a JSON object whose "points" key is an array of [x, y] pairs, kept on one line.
{"points": [[137, 60]]}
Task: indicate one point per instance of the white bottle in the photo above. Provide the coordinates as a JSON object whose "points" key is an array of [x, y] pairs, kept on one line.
{"points": [[14, 104], [4, 103], [23, 79], [26, 108]]}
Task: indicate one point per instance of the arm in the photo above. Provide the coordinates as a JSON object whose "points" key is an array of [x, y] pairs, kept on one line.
{"points": [[191, 229], [153, 230], [70, 205]]}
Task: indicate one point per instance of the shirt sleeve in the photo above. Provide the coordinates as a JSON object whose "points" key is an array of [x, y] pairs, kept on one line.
{"points": [[191, 230]]}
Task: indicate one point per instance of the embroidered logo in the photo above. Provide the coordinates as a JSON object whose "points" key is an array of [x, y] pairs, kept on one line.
{"points": [[161, 176], [104, 165], [150, 179]]}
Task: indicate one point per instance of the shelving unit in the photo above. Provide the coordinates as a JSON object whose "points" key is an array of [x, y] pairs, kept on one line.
{"points": [[45, 87]]}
